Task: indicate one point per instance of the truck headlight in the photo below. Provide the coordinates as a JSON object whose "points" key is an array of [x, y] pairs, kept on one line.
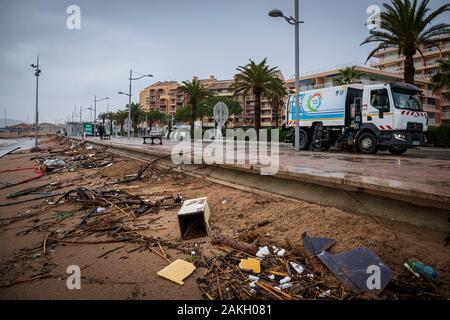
{"points": [[400, 136]]}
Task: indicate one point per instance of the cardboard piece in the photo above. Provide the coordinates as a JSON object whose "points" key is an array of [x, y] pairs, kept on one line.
{"points": [[250, 264], [177, 271]]}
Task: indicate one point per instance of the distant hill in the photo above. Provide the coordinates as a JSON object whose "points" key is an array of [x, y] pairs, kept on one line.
{"points": [[9, 122]]}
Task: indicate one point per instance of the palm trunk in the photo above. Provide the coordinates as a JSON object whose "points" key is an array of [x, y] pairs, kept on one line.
{"points": [[277, 107], [257, 113], [410, 70], [121, 128], [244, 122], [193, 117], [135, 128]]}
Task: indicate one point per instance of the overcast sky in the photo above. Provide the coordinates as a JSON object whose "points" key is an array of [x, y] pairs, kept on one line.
{"points": [[172, 39]]}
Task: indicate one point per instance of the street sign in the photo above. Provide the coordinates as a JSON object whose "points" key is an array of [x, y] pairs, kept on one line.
{"points": [[89, 129]]}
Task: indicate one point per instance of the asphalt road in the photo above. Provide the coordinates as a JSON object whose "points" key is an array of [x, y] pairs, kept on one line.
{"points": [[421, 153], [430, 153]]}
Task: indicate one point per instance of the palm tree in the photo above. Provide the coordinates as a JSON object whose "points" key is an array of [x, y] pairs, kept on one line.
{"points": [[195, 92], [254, 78], [155, 115], [348, 75], [121, 116], [406, 25], [103, 116], [276, 93], [441, 80], [110, 116], [137, 115]]}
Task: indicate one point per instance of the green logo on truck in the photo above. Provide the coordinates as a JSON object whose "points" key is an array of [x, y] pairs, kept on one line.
{"points": [[314, 102]]}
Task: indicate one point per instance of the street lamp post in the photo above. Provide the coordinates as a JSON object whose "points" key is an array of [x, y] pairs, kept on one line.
{"points": [[36, 124], [296, 22], [95, 111], [129, 97]]}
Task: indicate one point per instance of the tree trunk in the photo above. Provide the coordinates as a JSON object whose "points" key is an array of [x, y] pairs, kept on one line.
{"points": [[135, 129], [193, 117], [277, 107], [111, 128], [257, 113], [410, 70], [121, 128]]}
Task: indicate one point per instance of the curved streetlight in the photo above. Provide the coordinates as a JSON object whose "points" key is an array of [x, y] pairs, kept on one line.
{"points": [[129, 96], [276, 13], [37, 73]]}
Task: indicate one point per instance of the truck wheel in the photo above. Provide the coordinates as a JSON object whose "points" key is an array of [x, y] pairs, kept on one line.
{"points": [[396, 151], [367, 143], [304, 140]]}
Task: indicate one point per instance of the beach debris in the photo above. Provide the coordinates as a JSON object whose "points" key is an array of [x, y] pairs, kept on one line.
{"points": [[193, 218], [143, 208], [408, 267], [263, 223], [250, 264], [177, 271], [249, 248], [5, 153], [419, 268], [353, 268], [54, 163], [263, 252], [315, 245], [297, 267], [325, 294]]}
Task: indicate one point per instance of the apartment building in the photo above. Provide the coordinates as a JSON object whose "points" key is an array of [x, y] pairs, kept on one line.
{"points": [[325, 78], [164, 96], [439, 104]]}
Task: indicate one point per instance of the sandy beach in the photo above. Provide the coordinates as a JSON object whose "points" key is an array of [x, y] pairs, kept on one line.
{"points": [[39, 240]]}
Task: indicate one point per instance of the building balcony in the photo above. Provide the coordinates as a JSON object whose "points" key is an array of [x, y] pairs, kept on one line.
{"points": [[429, 108]]}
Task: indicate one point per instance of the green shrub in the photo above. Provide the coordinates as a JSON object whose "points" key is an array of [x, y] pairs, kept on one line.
{"points": [[439, 136]]}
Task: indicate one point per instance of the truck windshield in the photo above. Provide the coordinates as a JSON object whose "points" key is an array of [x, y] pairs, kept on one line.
{"points": [[407, 99]]}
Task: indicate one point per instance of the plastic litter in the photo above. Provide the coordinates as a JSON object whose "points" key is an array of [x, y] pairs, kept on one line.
{"points": [[297, 267], [285, 280], [54, 163], [263, 252]]}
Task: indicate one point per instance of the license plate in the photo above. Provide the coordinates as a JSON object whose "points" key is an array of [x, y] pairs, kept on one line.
{"points": [[416, 143]]}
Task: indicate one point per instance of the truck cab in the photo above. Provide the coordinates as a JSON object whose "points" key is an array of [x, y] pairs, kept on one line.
{"points": [[394, 114]]}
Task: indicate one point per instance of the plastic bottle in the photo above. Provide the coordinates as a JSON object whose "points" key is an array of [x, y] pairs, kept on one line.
{"points": [[422, 269]]}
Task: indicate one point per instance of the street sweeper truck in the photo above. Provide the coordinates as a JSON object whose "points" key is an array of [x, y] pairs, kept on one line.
{"points": [[367, 118]]}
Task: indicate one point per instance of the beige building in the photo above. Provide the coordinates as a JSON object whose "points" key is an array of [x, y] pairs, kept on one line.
{"points": [[437, 104], [164, 96]]}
